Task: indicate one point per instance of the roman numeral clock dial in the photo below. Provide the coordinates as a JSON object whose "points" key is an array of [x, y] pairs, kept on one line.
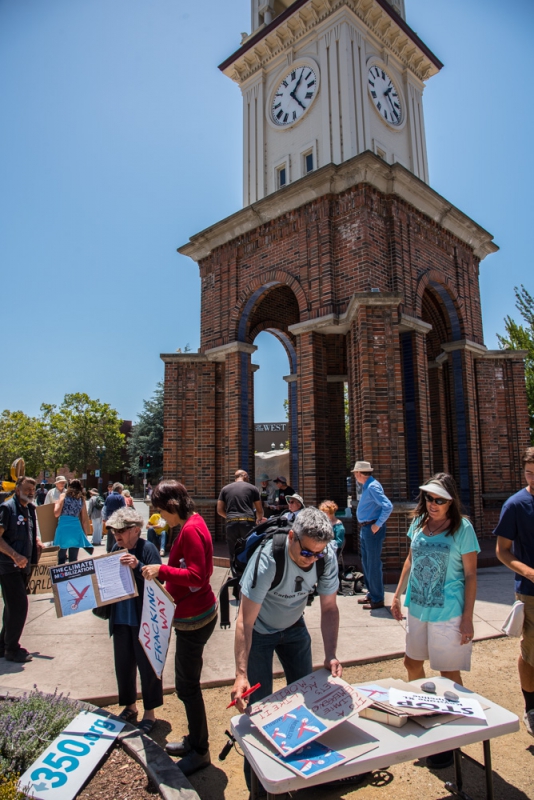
{"points": [[294, 96], [384, 95]]}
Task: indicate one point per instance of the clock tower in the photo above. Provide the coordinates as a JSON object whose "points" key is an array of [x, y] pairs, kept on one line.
{"points": [[324, 81], [366, 275]]}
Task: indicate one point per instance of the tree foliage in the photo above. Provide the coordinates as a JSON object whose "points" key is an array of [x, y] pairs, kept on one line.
{"points": [[521, 337], [147, 436], [67, 435]]}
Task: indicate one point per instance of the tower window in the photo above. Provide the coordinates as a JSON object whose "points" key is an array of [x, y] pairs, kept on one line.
{"points": [[308, 162], [282, 177]]}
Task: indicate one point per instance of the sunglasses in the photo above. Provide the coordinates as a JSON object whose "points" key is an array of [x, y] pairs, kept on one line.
{"points": [[439, 501], [115, 531], [310, 553]]}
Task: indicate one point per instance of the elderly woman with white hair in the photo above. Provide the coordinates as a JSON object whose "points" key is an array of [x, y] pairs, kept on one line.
{"points": [[126, 525]]}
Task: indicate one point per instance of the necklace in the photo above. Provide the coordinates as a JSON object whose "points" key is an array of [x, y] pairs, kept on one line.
{"points": [[437, 530]]}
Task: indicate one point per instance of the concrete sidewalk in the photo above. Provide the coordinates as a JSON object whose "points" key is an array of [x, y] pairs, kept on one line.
{"points": [[74, 654]]}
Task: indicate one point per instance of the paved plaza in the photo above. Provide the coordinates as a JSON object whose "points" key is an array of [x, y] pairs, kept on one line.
{"points": [[74, 654]]}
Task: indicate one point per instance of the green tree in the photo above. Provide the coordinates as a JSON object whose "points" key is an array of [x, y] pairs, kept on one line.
{"points": [[24, 437], [78, 426], [521, 337], [147, 436]]}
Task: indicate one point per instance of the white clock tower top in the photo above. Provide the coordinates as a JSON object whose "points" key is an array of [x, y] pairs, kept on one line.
{"points": [[325, 80]]}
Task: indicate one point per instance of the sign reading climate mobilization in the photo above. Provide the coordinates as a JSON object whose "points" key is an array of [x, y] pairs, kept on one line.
{"points": [[156, 624]]}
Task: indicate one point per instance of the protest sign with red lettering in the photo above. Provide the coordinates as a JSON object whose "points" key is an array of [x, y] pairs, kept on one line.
{"points": [[156, 624], [301, 712]]}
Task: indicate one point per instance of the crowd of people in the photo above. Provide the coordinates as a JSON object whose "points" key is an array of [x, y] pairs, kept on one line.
{"points": [[438, 576]]}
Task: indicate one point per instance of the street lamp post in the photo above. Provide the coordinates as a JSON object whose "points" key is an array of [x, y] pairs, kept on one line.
{"points": [[100, 452]]}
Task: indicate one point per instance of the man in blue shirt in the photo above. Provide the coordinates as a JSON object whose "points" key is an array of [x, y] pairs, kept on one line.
{"points": [[515, 548], [113, 502], [373, 510]]}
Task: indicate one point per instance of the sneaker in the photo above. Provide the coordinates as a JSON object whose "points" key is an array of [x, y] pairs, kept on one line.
{"points": [[21, 656], [528, 719], [162, 552]]}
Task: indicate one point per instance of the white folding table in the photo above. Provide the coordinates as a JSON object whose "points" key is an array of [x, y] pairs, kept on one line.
{"points": [[396, 745]]}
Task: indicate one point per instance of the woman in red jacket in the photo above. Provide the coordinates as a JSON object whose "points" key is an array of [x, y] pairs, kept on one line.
{"points": [[187, 578]]}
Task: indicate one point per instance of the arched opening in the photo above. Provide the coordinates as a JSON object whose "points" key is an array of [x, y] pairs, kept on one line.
{"points": [[446, 388], [265, 323]]}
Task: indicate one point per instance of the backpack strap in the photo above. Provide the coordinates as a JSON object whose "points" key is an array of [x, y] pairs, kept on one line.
{"points": [[279, 555]]}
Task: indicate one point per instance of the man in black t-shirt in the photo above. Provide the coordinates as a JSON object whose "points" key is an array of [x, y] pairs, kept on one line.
{"points": [[283, 490], [240, 504]]}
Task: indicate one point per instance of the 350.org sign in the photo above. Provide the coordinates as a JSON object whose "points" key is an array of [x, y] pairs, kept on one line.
{"points": [[63, 768]]}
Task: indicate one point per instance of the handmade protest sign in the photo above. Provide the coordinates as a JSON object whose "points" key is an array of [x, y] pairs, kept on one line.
{"points": [[95, 582], [65, 765], [156, 624], [464, 707], [301, 712], [346, 742]]}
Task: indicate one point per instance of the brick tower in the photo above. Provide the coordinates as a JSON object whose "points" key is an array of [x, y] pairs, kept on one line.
{"points": [[364, 273]]}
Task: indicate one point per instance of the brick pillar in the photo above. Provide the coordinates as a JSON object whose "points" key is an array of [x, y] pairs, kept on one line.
{"points": [[504, 429], [438, 419], [312, 402], [375, 394], [237, 440], [191, 431], [337, 444]]}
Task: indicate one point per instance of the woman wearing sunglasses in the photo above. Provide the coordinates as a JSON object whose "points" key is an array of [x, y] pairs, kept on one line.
{"points": [[440, 576]]}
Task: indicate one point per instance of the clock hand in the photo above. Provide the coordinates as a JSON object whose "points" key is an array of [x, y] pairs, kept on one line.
{"points": [[293, 94], [298, 101]]}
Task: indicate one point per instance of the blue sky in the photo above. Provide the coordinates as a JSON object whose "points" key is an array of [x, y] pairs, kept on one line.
{"points": [[120, 138]]}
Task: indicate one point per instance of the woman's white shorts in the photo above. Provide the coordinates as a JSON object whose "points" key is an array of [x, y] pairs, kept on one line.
{"points": [[439, 642]]}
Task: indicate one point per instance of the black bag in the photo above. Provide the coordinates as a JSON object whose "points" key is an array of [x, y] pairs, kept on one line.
{"points": [[98, 502], [102, 612], [275, 528]]}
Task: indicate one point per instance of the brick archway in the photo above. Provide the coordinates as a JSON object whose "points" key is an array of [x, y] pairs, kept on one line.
{"points": [[255, 295]]}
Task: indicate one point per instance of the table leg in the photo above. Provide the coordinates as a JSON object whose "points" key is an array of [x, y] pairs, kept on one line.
{"points": [[254, 785], [456, 788], [489, 770]]}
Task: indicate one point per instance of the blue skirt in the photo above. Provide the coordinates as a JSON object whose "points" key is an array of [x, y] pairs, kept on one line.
{"points": [[69, 533]]}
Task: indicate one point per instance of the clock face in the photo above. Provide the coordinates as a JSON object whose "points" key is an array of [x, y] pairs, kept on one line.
{"points": [[384, 95], [294, 96]]}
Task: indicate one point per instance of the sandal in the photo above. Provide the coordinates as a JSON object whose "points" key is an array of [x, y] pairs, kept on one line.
{"points": [[128, 715], [146, 725]]}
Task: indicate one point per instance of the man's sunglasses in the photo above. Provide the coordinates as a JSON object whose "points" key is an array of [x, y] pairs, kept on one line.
{"points": [[115, 531], [310, 553], [439, 501]]}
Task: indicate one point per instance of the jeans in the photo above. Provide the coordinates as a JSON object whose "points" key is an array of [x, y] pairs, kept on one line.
{"points": [[293, 648], [73, 555], [159, 540], [15, 609], [371, 551], [97, 530], [129, 657], [188, 667]]}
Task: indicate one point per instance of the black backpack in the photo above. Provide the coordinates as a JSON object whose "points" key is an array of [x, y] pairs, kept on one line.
{"points": [[275, 529]]}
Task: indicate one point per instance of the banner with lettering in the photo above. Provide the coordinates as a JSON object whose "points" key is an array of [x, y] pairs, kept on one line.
{"points": [[156, 624], [304, 710]]}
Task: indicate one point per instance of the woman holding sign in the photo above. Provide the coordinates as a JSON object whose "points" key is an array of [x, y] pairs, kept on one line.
{"points": [[187, 577], [440, 573], [125, 620]]}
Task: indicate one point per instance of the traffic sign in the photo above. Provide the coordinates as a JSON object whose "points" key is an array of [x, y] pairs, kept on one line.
{"points": [[144, 470], [97, 473]]}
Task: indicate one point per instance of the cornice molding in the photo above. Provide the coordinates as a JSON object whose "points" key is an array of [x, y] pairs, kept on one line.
{"points": [[408, 323], [220, 353], [335, 179], [340, 323], [182, 358], [302, 17], [465, 344]]}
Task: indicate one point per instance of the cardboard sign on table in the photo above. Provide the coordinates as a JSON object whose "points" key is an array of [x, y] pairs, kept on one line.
{"points": [[346, 742], [305, 710], [156, 624], [95, 582], [47, 522], [463, 707], [65, 765]]}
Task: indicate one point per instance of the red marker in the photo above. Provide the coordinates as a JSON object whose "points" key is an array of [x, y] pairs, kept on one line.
{"points": [[245, 694]]}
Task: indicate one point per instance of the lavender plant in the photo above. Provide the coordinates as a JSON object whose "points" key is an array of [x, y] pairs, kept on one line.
{"points": [[29, 724]]}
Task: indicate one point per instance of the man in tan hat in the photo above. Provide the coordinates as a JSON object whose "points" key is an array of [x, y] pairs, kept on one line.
{"points": [[374, 509], [54, 494]]}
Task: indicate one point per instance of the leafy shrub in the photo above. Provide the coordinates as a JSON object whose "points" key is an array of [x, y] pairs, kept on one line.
{"points": [[28, 725], [8, 788]]}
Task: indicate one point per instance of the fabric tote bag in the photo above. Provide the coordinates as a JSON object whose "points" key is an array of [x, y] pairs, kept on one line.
{"points": [[515, 619]]}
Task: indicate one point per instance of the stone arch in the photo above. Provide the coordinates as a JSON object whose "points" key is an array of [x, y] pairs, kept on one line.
{"points": [[254, 294]]}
